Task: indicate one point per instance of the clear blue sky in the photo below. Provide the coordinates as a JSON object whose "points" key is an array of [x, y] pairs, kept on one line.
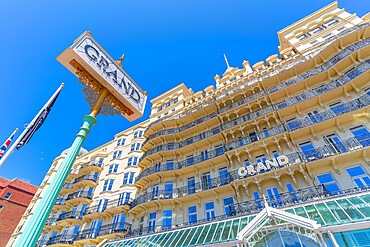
{"points": [[165, 43]]}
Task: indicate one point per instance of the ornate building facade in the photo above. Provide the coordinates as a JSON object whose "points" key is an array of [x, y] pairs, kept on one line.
{"points": [[274, 153]]}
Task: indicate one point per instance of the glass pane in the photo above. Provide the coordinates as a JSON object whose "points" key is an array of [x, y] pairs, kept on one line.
{"points": [[181, 241], [243, 223], [225, 233], [218, 232], [313, 214], [211, 233], [170, 240], [350, 210], [366, 198], [355, 171], [326, 214], [290, 211], [301, 212], [160, 239], [338, 212], [166, 238], [360, 205], [203, 234], [234, 230], [196, 236]]}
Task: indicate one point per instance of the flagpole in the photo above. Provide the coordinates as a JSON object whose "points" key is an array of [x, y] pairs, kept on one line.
{"points": [[15, 144], [10, 141]]}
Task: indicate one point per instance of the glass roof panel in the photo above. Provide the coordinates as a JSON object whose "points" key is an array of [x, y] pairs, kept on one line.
{"points": [[183, 237], [366, 198], [338, 212], [314, 215], [243, 222], [164, 238], [203, 235], [226, 231], [301, 212], [176, 239], [290, 211], [189, 237], [196, 236], [234, 229], [326, 214], [350, 210], [170, 240], [211, 233], [360, 205], [217, 235]]}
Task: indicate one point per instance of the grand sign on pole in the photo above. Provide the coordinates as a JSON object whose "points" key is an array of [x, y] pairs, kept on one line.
{"points": [[92, 57]]}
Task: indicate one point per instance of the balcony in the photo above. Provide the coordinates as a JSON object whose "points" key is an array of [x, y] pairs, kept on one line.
{"points": [[328, 64], [63, 240], [67, 188], [109, 231], [68, 218], [60, 204], [85, 181], [90, 167], [325, 151], [79, 197], [111, 208]]}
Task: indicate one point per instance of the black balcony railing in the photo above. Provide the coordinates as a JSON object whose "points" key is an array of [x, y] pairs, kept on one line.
{"points": [[301, 196], [68, 185], [111, 204], [345, 78], [118, 227], [61, 239], [306, 156], [93, 178], [70, 215], [331, 62], [80, 194]]}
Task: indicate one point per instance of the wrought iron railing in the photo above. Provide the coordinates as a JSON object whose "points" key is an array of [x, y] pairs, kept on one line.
{"points": [[344, 53], [80, 194], [345, 78], [61, 239], [70, 215], [68, 185], [119, 227], [111, 204], [306, 156], [86, 177]]}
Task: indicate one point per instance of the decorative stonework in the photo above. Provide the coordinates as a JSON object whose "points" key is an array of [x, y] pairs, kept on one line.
{"points": [[91, 89]]}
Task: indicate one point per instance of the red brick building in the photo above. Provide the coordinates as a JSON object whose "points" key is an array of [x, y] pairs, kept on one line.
{"points": [[15, 196]]}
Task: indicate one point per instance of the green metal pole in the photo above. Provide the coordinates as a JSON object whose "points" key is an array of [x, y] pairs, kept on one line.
{"points": [[34, 227]]}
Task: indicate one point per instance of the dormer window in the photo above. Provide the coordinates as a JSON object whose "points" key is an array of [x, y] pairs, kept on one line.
{"points": [[317, 29], [175, 100], [160, 108], [303, 36]]}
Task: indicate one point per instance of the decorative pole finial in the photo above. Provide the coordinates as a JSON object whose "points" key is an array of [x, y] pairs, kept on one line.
{"points": [[228, 66], [119, 63]]}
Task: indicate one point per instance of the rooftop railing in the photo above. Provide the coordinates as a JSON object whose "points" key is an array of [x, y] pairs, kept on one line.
{"points": [[348, 50], [345, 78]]}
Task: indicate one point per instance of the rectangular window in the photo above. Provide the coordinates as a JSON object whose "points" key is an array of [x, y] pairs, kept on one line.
{"points": [[192, 214], [170, 146], [293, 123], [108, 184], [338, 108], [113, 168], [362, 135], [105, 186], [121, 141], [329, 183], [229, 206], [206, 181], [274, 197], [190, 160], [168, 189], [135, 146], [132, 161], [191, 185], [215, 130], [224, 175], [155, 191], [1, 207], [189, 141], [175, 100], [124, 198], [167, 219], [125, 178], [151, 221], [127, 197], [138, 133], [335, 143], [100, 162], [117, 154], [202, 135], [219, 149], [131, 179], [102, 205], [359, 176], [331, 22], [204, 155], [7, 196], [317, 29], [210, 210], [169, 165], [315, 116], [157, 167], [309, 150]]}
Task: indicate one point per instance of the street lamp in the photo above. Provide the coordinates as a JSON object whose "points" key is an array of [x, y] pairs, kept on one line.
{"points": [[108, 90]]}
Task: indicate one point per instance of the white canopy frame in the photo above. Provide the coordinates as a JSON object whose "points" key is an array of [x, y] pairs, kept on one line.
{"points": [[283, 221]]}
